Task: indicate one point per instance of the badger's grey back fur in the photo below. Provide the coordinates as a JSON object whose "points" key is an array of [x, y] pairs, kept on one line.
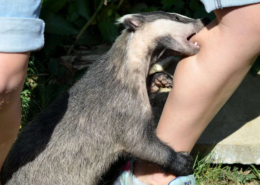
{"points": [[103, 116]]}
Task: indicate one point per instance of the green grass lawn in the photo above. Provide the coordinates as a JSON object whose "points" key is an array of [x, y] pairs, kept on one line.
{"points": [[220, 174]]}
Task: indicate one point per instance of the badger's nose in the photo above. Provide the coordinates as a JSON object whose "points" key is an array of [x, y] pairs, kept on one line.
{"points": [[205, 21]]}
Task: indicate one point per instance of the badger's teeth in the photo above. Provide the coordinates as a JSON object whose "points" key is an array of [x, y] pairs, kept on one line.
{"points": [[195, 43]]}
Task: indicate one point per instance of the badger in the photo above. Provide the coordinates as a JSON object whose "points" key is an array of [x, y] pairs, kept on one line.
{"points": [[107, 113]]}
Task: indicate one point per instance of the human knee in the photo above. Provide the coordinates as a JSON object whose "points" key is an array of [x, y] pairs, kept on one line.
{"points": [[9, 90], [13, 69]]}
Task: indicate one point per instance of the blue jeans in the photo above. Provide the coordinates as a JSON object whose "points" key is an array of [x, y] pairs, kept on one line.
{"points": [[211, 5], [20, 28]]}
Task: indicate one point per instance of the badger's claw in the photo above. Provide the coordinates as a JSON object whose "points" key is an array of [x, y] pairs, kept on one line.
{"points": [[182, 165], [159, 80]]}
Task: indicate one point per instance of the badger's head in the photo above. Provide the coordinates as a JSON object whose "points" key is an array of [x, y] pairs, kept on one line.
{"points": [[164, 33]]}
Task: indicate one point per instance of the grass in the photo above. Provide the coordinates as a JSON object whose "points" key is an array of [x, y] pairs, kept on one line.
{"points": [[207, 173]]}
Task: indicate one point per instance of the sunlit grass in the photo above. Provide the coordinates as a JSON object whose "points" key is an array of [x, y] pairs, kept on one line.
{"points": [[207, 173]]}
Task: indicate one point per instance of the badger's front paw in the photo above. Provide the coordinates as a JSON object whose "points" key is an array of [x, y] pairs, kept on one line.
{"points": [[181, 164], [159, 80]]}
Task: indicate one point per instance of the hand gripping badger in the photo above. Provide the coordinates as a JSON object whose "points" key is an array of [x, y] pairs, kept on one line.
{"points": [[107, 113]]}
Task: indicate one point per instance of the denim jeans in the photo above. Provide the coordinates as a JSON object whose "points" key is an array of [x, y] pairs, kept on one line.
{"points": [[211, 5], [21, 30]]}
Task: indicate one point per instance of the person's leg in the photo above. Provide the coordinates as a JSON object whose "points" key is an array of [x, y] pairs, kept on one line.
{"points": [[229, 46], [204, 82], [20, 32], [13, 68]]}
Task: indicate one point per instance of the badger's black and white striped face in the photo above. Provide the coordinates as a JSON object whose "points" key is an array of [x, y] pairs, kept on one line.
{"points": [[163, 32]]}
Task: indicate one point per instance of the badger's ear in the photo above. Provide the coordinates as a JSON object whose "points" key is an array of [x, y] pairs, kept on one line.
{"points": [[131, 21]]}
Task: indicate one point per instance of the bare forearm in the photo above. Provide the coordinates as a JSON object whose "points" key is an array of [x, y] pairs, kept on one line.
{"points": [[203, 83]]}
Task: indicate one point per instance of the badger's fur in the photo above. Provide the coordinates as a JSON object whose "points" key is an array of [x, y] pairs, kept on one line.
{"points": [[106, 114]]}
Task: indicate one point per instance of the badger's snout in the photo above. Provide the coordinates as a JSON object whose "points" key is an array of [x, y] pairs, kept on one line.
{"points": [[199, 24]]}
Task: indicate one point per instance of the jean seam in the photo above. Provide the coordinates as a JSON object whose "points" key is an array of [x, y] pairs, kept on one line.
{"points": [[218, 4]]}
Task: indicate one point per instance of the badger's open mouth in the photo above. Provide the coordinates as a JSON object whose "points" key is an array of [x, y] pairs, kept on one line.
{"points": [[163, 54], [192, 44]]}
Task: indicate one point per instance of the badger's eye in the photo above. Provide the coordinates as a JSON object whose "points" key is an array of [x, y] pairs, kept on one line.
{"points": [[177, 19]]}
